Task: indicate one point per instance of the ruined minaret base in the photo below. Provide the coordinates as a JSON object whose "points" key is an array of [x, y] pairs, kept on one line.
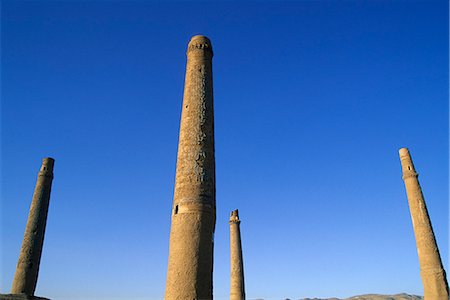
{"points": [[20, 297]]}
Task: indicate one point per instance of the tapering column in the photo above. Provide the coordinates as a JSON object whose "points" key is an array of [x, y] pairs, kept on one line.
{"points": [[431, 270], [26, 275], [190, 266], [237, 288]]}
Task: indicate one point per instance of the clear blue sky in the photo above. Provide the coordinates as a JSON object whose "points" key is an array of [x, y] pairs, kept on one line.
{"points": [[313, 99]]}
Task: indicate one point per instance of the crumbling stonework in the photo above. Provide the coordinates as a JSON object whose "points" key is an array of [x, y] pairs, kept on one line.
{"points": [[190, 266], [431, 269], [20, 297], [237, 288], [27, 270]]}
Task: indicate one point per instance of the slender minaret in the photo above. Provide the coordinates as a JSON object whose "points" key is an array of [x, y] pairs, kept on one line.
{"points": [[237, 288], [431, 270], [26, 275], [190, 267]]}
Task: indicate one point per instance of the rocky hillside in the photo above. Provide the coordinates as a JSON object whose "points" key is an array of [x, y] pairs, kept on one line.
{"points": [[376, 297]]}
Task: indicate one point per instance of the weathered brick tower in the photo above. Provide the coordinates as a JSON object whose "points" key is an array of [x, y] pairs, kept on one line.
{"points": [[431, 270], [26, 275], [237, 288], [190, 267]]}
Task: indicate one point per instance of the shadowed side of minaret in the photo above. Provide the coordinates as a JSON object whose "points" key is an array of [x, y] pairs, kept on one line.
{"points": [[237, 288], [25, 278], [190, 266], [431, 269]]}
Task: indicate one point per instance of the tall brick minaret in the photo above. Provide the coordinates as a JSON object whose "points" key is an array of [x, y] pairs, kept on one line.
{"points": [[431, 270], [190, 267], [237, 288], [27, 270]]}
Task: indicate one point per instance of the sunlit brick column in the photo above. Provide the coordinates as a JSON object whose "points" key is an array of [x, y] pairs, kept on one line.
{"points": [[431, 269], [190, 267], [237, 288]]}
